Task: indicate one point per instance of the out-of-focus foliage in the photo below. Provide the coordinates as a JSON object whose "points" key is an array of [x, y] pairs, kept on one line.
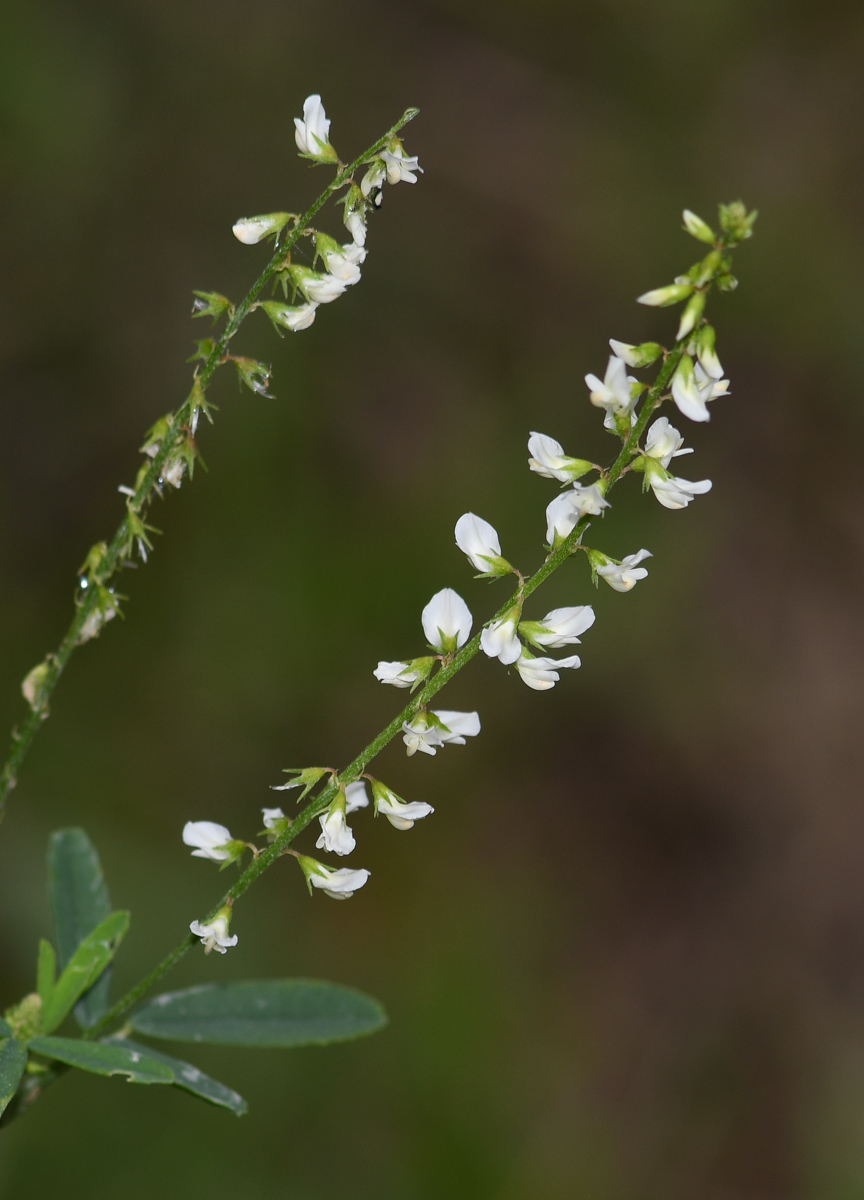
{"points": [[624, 958]]}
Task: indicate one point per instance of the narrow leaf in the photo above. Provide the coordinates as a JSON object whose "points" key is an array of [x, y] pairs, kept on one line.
{"points": [[188, 1077], [84, 967], [79, 900], [272, 1012], [46, 971], [13, 1060], [103, 1059]]}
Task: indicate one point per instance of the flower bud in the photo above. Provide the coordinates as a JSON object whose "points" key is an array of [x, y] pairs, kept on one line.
{"points": [[211, 304], [736, 222], [674, 293], [691, 314], [698, 228], [642, 355], [251, 230]]}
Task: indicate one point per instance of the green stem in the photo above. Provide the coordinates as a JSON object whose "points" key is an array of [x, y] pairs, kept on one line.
{"points": [[22, 737]]}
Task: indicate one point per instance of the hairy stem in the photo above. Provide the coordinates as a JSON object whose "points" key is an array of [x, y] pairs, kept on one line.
{"points": [[22, 738]]}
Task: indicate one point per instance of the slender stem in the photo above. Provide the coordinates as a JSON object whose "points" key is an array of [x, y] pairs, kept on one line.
{"points": [[319, 803], [116, 551]]}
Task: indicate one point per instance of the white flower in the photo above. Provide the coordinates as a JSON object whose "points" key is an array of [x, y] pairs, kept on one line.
{"points": [[354, 253], [499, 640], [664, 442], [341, 265], [251, 230], [215, 935], [312, 134], [478, 541], [447, 620], [374, 177], [290, 316], [549, 460], [356, 796], [427, 731], [355, 223], [706, 352], [271, 816], [560, 627], [173, 470], [693, 387], [613, 393], [319, 289], [624, 575], [400, 167], [398, 812], [403, 674], [540, 673], [567, 509], [340, 884], [211, 839], [673, 492], [335, 835]]}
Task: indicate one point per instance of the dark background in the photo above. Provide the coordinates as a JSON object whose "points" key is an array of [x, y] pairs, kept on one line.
{"points": [[624, 958]]}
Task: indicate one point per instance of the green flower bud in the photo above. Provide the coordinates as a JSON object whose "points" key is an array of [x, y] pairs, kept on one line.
{"points": [[698, 228]]}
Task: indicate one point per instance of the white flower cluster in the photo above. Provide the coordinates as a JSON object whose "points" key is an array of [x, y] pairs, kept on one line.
{"points": [[342, 263], [446, 620]]}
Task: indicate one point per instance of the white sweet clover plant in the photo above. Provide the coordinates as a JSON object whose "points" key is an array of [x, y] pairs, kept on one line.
{"points": [[293, 1012]]}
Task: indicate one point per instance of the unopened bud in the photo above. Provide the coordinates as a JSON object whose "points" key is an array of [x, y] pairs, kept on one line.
{"points": [[642, 355], [674, 293], [691, 314], [697, 228]]}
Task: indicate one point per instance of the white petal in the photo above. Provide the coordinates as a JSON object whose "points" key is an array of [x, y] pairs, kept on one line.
{"points": [[447, 614]]}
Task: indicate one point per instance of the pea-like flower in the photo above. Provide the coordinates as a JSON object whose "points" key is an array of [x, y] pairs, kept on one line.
{"points": [[355, 223], [447, 621], [542, 673], [356, 796], [400, 813], [549, 460], [336, 836], [312, 134], [340, 884], [272, 816], [214, 934], [642, 355], [400, 167], [664, 442], [251, 230], [693, 388], [623, 575], [499, 639], [478, 541], [404, 674], [341, 261], [569, 508], [560, 627], [673, 492], [614, 392], [317, 288], [289, 316], [427, 731], [213, 841]]}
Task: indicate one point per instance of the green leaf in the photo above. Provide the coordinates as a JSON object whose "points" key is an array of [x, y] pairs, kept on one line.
{"points": [[46, 971], [79, 899], [272, 1012], [5, 1029], [104, 1059], [84, 968], [188, 1077], [13, 1060]]}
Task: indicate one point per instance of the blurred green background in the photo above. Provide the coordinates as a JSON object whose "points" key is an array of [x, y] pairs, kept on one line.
{"points": [[625, 959]]}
